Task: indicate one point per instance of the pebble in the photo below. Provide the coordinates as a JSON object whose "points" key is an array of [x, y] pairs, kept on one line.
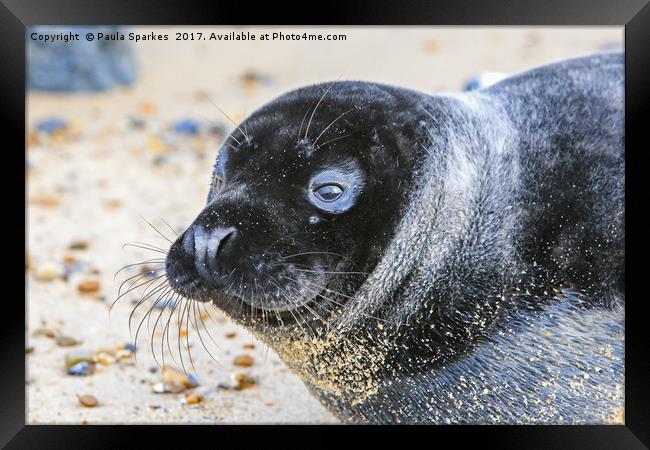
{"points": [[137, 123], [88, 286], [70, 267], [77, 356], [171, 375], [29, 350], [192, 398], [169, 303], [113, 203], [231, 335], [32, 138], [66, 341], [123, 354], [174, 382], [103, 358], [186, 126], [157, 146], [49, 272], [80, 369], [431, 46], [46, 200], [244, 361], [243, 380], [50, 126], [80, 244], [218, 130], [146, 108], [87, 400], [249, 346], [192, 380], [158, 388], [159, 160], [252, 79], [47, 332]]}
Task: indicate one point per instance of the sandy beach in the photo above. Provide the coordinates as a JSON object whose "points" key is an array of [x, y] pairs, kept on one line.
{"points": [[123, 159]]}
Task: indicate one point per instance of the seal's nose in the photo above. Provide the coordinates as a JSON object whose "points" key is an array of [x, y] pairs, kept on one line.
{"points": [[206, 246]]}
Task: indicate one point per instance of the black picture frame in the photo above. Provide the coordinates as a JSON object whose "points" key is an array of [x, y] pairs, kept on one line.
{"points": [[15, 15]]}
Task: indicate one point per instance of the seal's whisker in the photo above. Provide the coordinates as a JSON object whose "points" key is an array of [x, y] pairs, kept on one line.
{"points": [[137, 277], [341, 304], [302, 122], [291, 311], [169, 226], [205, 327], [332, 123], [153, 332], [151, 246], [332, 140], [145, 247], [141, 263], [172, 300], [296, 282], [311, 253], [195, 308], [132, 288], [166, 329], [231, 146], [187, 333], [145, 317], [329, 290], [157, 230], [230, 119], [283, 292], [160, 298], [332, 272], [179, 322], [178, 334], [159, 286], [282, 238], [315, 108], [288, 296]]}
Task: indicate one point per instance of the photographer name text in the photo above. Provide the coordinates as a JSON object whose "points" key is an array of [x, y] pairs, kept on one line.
{"points": [[192, 36]]}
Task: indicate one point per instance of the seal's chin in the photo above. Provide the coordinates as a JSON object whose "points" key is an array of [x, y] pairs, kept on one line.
{"points": [[285, 293], [268, 303]]}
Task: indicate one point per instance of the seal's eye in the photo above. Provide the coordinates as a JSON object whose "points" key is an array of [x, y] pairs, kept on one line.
{"points": [[335, 189], [328, 192]]}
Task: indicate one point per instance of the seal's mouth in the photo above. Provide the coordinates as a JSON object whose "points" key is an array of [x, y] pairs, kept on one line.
{"points": [[274, 288]]}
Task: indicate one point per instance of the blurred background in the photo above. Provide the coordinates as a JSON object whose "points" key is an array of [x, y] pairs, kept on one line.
{"points": [[122, 133]]}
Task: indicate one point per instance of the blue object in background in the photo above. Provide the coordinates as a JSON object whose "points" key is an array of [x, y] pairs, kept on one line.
{"points": [[81, 369], [186, 126], [49, 126], [483, 79], [79, 66]]}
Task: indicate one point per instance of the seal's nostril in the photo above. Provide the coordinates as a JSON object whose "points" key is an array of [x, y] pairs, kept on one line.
{"points": [[217, 240]]}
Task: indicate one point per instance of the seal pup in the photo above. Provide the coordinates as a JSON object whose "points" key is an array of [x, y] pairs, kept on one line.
{"points": [[419, 258]]}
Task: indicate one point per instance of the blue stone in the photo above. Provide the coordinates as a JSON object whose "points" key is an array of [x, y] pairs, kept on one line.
{"points": [[80, 369], [49, 126], [169, 303], [187, 126], [193, 380]]}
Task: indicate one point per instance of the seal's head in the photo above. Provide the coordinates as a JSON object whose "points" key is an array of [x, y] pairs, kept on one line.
{"points": [[305, 194]]}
